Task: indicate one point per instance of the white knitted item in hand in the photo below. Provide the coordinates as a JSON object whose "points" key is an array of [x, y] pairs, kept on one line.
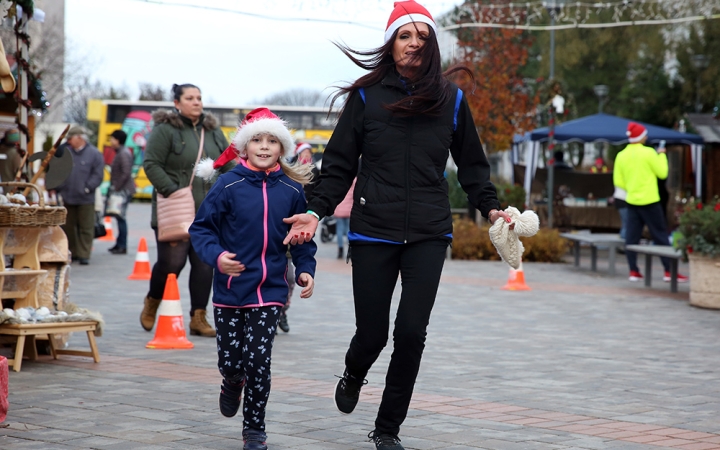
{"points": [[507, 241]]}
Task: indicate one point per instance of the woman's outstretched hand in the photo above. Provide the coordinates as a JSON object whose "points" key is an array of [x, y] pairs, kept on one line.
{"points": [[303, 228]]}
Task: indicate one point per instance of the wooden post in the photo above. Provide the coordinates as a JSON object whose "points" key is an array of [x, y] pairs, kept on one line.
{"points": [[23, 80], [46, 160]]}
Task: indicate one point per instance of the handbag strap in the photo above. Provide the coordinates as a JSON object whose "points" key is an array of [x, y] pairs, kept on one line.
{"points": [[200, 150]]}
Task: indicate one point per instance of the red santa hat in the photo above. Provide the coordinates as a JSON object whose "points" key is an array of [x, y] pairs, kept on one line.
{"points": [[636, 132], [302, 146], [406, 12], [258, 121]]}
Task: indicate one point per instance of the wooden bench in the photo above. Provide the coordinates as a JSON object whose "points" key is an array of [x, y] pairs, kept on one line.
{"points": [[663, 251], [25, 331], [595, 240]]}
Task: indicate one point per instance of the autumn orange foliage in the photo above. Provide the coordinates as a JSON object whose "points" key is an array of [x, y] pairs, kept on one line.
{"points": [[501, 103]]}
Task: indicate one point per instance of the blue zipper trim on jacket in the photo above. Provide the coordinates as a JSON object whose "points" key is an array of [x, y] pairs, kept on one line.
{"points": [[407, 91], [458, 99], [362, 94], [357, 237]]}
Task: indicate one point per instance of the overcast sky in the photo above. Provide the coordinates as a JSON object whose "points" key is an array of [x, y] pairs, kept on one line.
{"points": [[236, 59]]}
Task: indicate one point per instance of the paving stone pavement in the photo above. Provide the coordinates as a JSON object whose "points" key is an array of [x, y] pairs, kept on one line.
{"points": [[583, 361]]}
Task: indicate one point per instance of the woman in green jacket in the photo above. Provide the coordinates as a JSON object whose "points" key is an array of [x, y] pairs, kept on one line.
{"points": [[169, 162]]}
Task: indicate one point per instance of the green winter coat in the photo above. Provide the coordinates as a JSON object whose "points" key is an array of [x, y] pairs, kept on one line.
{"points": [[171, 152]]}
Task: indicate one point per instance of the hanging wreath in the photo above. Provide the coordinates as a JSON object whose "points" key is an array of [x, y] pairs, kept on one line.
{"points": [[547, 91]]}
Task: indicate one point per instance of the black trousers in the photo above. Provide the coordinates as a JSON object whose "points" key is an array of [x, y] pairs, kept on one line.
{"points": [[375, 269], [638, 216], [172, 257]]}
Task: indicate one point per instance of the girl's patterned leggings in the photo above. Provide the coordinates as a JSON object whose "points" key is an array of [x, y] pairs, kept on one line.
{"points": [[244, 341]]}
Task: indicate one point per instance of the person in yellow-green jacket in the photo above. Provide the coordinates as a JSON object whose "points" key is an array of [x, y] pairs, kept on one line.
{"points": [[637, 170]]}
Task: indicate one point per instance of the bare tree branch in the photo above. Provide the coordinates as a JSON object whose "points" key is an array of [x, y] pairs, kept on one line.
{"points": [[149, 91], [296, 97]]}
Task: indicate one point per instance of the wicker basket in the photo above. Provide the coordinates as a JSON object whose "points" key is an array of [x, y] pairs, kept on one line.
{"points": [[30, 216]]}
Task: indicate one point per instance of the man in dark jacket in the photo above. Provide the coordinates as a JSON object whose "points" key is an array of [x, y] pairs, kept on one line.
{"points": [[122, 186], [78, 193]]}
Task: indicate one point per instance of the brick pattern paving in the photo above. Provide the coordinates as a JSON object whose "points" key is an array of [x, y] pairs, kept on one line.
{"points": [[583, 361], [452, 406]]}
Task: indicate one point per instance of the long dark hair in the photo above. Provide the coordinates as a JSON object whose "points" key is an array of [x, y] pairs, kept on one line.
{"points": [[432, 89]]}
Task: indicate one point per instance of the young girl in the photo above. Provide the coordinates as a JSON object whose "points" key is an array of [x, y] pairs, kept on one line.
{"points": [[239, 230]]}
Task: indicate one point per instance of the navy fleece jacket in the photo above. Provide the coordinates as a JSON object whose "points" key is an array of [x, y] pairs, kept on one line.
{"points": [[243, 214]]}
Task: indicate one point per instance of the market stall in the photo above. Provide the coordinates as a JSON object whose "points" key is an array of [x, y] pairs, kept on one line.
{"points": [[35, 269], [590, 129]]}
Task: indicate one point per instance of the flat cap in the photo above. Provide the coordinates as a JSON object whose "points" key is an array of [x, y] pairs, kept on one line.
{"points": [[76, 131]]}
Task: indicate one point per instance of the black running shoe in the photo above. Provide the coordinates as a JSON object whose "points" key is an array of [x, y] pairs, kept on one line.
{"points": [[347, 392], [230, 398], [385, 441], [254, 440], [283, 323]]}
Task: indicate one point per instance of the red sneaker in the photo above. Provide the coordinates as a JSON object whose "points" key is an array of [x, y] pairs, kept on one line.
{"points": [[680, 278], [635, 275]]}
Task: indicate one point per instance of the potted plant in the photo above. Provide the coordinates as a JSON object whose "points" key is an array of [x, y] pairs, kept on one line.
{"points": [[699, 228]]}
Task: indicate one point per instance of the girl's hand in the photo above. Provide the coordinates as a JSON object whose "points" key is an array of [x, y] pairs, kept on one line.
{"points": [[308, 284], [229, 266], [303, 228], [497, 214]]}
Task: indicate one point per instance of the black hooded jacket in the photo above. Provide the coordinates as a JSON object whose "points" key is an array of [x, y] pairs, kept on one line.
{"points": [[401, 193]]}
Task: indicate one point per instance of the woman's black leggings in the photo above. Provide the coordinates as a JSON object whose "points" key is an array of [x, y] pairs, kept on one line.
{"points": [[172, 257], [375, 270]]}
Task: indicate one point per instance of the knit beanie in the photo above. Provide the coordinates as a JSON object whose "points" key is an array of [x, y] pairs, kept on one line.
{"points": [[507, 241], [406, 12], [120, 135], [258, 121]]}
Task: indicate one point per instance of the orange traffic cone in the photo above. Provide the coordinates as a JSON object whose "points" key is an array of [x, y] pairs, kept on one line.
{"points": [[516, 280], [141, 271], [170, 329], [110, 236]]}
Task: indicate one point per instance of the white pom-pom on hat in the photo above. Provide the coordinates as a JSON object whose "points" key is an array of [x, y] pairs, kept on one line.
{"points": [[204, 169]]}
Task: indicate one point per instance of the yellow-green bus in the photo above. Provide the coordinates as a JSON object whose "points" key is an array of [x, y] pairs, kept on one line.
{"points": [[307, 123]]}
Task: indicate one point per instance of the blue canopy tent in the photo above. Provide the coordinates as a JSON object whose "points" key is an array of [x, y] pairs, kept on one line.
{"points": [[607, 128], [604, 128]]}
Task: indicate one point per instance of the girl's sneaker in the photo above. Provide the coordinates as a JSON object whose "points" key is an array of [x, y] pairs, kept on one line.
{"points": [[254, 440], [230, 398], [283, 323]]}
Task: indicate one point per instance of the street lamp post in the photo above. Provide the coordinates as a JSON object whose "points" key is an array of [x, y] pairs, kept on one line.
{"points": [[700, 62], [553, 9], [601, 91]]}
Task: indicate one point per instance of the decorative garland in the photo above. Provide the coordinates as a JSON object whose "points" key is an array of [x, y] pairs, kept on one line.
{"points": [[27, 5], [28, 10], [537, 15]]}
